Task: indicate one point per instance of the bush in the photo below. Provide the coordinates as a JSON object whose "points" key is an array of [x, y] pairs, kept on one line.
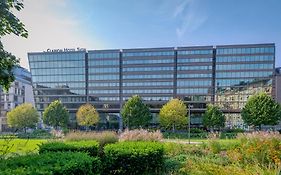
{"points": [[51, 163], [140, 135], [103, 138], [36, 134], [184, 135], [134, 158], [263, 148], [89, 147]]}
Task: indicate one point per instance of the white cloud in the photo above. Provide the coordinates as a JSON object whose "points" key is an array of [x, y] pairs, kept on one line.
{"points": [[190, 16], [49, 26]]}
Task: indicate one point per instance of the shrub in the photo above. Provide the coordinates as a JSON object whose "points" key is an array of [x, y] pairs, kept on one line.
{"points": [[140, 135], [89, 147], [103, 138], [133, 158], [51, 163], [36, 134], [184, 135], [263, 148]]}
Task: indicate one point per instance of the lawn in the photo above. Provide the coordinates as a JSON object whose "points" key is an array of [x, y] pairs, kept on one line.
{"points": [[19, 146]]}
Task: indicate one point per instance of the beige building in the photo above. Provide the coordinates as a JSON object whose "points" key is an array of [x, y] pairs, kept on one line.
{"points": [[19, 92]]}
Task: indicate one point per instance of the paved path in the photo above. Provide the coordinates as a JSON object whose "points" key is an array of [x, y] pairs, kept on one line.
{"points": [[180, 141]]}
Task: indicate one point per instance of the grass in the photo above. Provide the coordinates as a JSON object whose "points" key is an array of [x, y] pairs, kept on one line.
{"points": [[20, 146], [221, 141]]}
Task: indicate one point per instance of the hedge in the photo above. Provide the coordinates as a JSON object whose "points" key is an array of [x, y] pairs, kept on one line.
{"points": [[133, 158], [89, 147], [51, 163]]}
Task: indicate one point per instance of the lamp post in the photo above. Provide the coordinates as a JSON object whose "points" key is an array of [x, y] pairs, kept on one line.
{"points": [[189, 117]]}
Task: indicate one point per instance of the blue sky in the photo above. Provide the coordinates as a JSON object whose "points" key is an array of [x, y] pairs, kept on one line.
{"points": [[109, 24]]}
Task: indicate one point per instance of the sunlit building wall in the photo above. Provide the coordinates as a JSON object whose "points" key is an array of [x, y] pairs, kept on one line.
{"points": [[222, 75]]}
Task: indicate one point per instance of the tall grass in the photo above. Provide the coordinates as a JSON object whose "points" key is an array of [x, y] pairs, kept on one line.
{"points": [[140, 135], [104, 137]]}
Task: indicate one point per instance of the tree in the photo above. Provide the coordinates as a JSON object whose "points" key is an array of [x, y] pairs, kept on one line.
{"points": [[261, 109], [23, 116], [135, 113], [56, 115], [173, 115], [87, 115], [9, 24], [213, 117]]}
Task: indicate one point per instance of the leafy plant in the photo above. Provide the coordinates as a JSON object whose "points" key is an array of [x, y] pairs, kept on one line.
{"points": [[87, 115], [51, 163], [103, 138], [135, 113], [173, 115], [261, 109], [213, 117], [23, 116], [56, 115], [90, 147], [9, 23], [133, 158]]}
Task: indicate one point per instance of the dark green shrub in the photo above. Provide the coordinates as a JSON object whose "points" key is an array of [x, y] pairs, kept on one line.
{"points": [[89, 147], [51, 163], [36, 134], [133, 158]]}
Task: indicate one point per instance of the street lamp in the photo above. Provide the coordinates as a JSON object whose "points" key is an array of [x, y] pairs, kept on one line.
{"points": [[189, 118]]}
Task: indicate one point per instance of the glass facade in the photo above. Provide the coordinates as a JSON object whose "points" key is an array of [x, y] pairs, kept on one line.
{"points": [[58, 76], [104, 80], [148, 73], [241, 72], [224, 75]]}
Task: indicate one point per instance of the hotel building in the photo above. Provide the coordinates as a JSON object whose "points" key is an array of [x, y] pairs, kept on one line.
{"points": [[224, 75]]}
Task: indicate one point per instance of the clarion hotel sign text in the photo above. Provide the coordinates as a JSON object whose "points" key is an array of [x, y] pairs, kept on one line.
{"points": [[66, 50]]}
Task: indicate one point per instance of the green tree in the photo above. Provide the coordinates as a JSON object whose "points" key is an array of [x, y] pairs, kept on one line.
{"points": [[56, 115], [135, 113], [87, 115], [9, 24], [213, 117], [173, 115], [261, 109], [23, 116]]}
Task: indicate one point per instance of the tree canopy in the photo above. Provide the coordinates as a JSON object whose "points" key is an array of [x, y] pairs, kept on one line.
{"points": [[135, 113], [56, 115], [87, 115], [261, 109], [213, 117], [173, 115], [9, 24], [23, 116]]}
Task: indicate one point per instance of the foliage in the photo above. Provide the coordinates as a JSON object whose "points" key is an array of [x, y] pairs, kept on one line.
{"points": [[87, 115], [213, 117], [184, 135], [51, 163], [263, 148], [140, 135], [23, 116], [134, 158], [173, 115], [261, 109], [9, 23], [56, 115], [103, 138], [135, 113], [36, 134], [89, 147], [219, 166], [14, 146]]}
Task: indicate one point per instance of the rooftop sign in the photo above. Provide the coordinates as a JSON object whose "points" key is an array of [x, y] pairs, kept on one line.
{"points": [[66, 49]]}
